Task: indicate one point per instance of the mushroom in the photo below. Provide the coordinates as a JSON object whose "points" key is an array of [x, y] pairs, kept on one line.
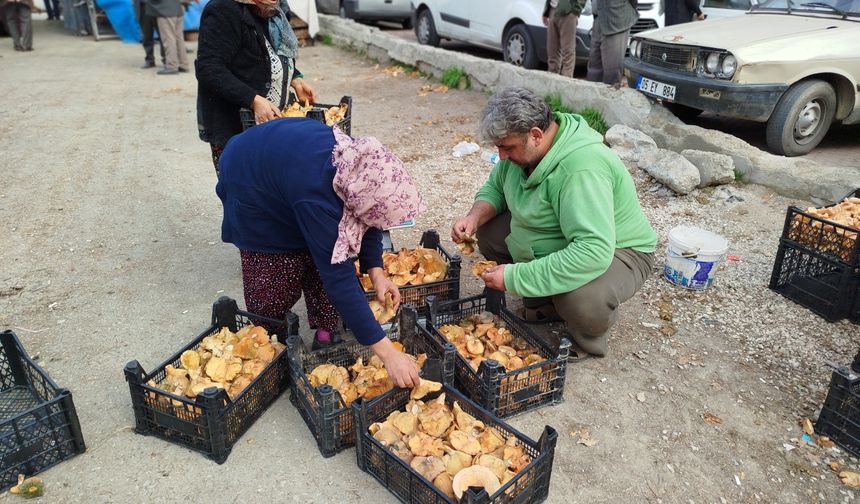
{"points": [[456, 461], [190, 359], [464, 442], [429, 467], [445, 482], [490, 440], [386, 435], [245, 349], [495, 464], [424, 387], [474, 346], [465, 421], [407, 423], [238, 386], [475, 476]]}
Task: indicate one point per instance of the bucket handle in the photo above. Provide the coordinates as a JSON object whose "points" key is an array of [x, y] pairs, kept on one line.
{"points": [[685, 255]]}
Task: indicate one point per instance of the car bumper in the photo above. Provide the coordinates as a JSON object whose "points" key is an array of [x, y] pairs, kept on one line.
{"points": [[746, 101], [354, 12]]}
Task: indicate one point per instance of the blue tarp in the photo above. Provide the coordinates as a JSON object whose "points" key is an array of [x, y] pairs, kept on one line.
{"points": [[120, 13]]}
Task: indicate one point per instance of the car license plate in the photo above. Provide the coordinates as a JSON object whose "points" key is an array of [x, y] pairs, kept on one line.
{"points": [[658, 89]]}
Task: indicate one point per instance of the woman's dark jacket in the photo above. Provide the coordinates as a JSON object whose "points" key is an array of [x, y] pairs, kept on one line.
{"points": [[232, 67]]}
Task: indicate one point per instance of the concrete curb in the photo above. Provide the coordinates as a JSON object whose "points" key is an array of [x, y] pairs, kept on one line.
{"points": [[791, 177]]}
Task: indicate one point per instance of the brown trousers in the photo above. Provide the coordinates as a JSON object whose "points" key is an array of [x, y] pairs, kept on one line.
{"points": [[561, 43], [173, 41], [591, 310]]}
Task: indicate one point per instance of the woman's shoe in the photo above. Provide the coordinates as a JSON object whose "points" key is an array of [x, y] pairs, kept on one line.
{"points": [[329, 339]]}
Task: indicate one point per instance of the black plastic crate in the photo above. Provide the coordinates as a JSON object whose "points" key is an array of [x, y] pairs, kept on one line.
{"points": [[503, 393], [246, 115], [530, 485], [818, 281], [211, 423], [816, 234], [445, 290], [323, 409], [840, 416], [39, 425]]}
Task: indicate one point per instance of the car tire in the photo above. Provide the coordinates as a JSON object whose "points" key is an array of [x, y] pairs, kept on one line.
{"points": [[425, 29], [683, 112], [801, 118], [519, 48]]}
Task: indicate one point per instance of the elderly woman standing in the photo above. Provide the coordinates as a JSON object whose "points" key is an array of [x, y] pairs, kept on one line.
{"points": [[300, 199], [245, 58]]}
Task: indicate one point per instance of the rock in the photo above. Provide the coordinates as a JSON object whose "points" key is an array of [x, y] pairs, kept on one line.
{"points": [[714, 168], [629, 143], [671, 169]]}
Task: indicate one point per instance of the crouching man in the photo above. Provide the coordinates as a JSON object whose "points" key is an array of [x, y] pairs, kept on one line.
{"points": [[560, 215]]}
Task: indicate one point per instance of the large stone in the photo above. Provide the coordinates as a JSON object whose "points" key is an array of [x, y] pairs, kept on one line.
{"points": [[629, 143], [670, 169], [714, 169]]}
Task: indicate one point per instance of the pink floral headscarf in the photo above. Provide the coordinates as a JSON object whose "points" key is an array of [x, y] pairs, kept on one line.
{"points": [[375, 188]]}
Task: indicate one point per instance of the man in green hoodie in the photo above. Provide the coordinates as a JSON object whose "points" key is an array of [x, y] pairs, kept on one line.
{"points": [[560, 17], [560, 214]]}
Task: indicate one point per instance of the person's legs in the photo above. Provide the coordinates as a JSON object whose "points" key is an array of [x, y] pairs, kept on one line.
{"points": [[321, 313], [26, 17], [272, 282], [491, 239], [168, 38], [591, 310], [595, 58], [552, 54], [216, 156], [49, 9], [614, 47], [11, 11], [567, 44], [147, 27], [178, 31]]}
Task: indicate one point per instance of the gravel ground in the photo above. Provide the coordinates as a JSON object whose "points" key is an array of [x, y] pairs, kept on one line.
{"points": [[111, 253]]}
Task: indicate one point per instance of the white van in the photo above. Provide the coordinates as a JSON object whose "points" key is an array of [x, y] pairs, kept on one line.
{"points": [[514, 27]]}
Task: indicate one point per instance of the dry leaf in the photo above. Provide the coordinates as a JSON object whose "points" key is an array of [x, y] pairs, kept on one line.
{"points": [[712, 418], [664, 308], [825, 442], [834, 466], [807, 426], [585, 439], [850, 478], [668, 330]]}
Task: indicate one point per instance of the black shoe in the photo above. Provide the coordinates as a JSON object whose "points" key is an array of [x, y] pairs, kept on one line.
{"points": [[148, 64], [183, 70], [335, 340], [167, 71]]}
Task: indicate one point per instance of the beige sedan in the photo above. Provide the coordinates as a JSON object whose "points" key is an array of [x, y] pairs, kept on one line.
{"points": [[794, 64]]}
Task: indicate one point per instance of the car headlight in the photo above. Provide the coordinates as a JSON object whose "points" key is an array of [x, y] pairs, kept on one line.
{"points": [[638, 49], [712, 63], [730, 64], [632, 48]]}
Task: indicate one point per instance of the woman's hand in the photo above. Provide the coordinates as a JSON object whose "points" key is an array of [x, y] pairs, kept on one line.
{"points": [[382, 285], [494, 277], [401, 367], [304, 92], [264, 110]]}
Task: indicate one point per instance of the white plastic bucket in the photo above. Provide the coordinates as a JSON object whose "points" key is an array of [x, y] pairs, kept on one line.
{"points": [[692, 257]]}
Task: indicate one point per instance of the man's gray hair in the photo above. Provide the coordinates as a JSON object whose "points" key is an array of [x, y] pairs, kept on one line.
{"points": [[514, 110]]}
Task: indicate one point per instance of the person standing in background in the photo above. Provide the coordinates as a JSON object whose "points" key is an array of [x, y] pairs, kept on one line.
{"points": [[19, 23], [148, 27], [52, 7], [560, 18], [683, 11], [169, 14], [612, 22]]}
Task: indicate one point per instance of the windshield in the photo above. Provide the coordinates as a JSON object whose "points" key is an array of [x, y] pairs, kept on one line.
{"points": [[834, 7]]}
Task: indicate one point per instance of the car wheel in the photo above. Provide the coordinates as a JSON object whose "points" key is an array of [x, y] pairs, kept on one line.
{"points": [[683, 112], [801, 118], [519, 48], [425, 29]]}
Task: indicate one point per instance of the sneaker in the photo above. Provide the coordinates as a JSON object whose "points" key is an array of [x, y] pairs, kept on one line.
{"points": [[148, 64], [167, 71], [183, 70], [332, 340]]}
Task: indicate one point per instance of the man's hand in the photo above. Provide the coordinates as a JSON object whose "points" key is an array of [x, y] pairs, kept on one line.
{"points": [[383, 285], [465, 226], [401, 367], [494, 277], [546, 21], [264, 110], [304, 92]]}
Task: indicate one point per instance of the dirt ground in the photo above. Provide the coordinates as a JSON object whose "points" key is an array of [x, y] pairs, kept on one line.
{"points": [[111, 251]]}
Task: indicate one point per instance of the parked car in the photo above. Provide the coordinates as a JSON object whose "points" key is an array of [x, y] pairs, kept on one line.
{"points": [[514, 28], [399, 11], [793, 64], [716, 9]]}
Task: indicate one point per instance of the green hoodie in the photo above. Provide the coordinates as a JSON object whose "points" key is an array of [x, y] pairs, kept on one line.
{"points": [[567, 218]]}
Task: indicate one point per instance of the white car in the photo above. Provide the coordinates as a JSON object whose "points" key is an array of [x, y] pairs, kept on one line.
{"points": [[399, 11], [514, 28]]}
